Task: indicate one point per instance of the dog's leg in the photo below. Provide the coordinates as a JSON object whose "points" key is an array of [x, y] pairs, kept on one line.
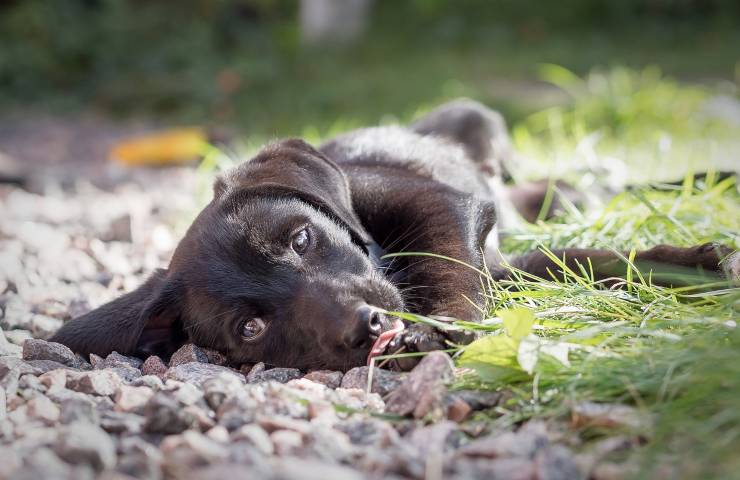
{"points": [[483, 134], [665, 265], [481, 131]]}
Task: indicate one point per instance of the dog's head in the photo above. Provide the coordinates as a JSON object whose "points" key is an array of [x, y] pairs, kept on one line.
{"points": [[275, 269]]}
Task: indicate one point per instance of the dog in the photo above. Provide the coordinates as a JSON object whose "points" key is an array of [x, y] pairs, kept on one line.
{"points": [[286, 264]]}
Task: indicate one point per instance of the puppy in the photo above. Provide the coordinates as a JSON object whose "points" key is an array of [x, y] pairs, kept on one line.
{"points": [[285, 265]]}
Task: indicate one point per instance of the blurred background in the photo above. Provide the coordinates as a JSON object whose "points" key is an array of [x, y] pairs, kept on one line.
{"points": [[75, 75]]}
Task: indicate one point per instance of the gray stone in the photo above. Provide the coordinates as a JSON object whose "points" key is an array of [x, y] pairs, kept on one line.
{"points": [[9, 349], [186, 354], [236, 411], [96, 361], [476, 399], [423, 391], [255, 370], [255, 436], [556, 463], [190, 449], [18, 336], [35, 349], [43, 327], [86, 443], [312, 469], [43, 366], [3, 407], [525, 442], [115, 359], [166, 415], [151, 381], [139, 459], [78, 409], [329, 378], [129, 398], [504, 468], [95, 382], [122, 423], [281, 375], [126, 372], [197, 373], [287, 442], [384, 381], [41, 408], [44, 463], [369, 432], [218, 388]]}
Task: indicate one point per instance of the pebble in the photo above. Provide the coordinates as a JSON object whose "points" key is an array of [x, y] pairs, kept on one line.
{"points": [[41, 408], [602, 415], [36, 349], [286, 442], [281, 375], [115, 359], [95, 382], [86, 443], [458, 410], [129, 398], [255, 370], [186, 354], [78, 409], [219, 388], [165, 415], [384, 381], [256, 436], [423, 391], [329, 378], [197, 373], [154, 366], [18, 336]]}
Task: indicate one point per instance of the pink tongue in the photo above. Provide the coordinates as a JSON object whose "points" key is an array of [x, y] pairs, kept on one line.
{"points": [[384, 339]]}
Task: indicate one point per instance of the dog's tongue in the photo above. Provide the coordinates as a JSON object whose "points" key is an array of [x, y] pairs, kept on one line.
{"points": [[384, 339]]}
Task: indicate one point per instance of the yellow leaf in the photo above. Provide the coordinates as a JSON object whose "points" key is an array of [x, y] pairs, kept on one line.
{"points": [[170, 147]]}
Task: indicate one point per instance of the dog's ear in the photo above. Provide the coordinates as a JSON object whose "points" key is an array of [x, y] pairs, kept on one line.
{"points": [[143, 322], [294, 168]]}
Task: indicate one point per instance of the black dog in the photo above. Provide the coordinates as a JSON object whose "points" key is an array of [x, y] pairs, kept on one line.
{"points": [[283, 266]]}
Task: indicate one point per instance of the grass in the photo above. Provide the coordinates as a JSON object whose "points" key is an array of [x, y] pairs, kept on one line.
{"points": [[673, 354]]}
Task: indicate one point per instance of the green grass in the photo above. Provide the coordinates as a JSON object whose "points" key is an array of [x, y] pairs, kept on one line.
{"points": [[673, 354]]}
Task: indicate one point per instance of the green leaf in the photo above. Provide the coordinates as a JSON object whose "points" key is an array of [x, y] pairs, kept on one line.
{"points": [[493, 350], [517, 321]]}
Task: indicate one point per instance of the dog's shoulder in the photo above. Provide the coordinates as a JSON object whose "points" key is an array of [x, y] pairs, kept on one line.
{"points": [[398, 148]]}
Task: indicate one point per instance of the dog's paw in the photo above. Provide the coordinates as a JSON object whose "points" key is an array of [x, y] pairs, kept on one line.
{"points": [[418, 337]]}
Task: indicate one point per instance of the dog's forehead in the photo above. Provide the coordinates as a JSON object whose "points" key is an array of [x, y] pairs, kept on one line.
{"points": [[265, 219]]}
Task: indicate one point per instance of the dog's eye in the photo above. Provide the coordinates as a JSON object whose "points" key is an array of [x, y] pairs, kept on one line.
{"points": [[299, 242], [251, 329]]}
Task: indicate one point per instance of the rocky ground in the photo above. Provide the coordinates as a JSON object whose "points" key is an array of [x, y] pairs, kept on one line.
{"points": [[67, 246]]}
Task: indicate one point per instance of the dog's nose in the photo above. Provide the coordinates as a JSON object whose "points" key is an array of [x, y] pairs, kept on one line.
{"points": [[367, 324]]}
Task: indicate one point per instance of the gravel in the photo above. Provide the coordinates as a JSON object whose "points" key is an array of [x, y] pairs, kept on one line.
{"points": [[65, 250]]}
